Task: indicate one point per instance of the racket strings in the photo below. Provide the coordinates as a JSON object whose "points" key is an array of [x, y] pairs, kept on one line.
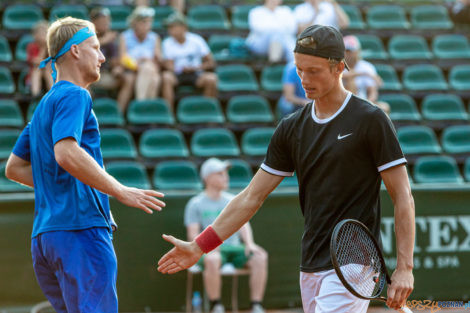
{"points": [[359, 260]]}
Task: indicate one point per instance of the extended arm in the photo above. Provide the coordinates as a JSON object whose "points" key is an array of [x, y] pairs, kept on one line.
{"points": [[19, 170]]}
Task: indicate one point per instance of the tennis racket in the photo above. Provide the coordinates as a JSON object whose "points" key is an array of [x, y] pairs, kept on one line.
{"points": [[358, 261]]}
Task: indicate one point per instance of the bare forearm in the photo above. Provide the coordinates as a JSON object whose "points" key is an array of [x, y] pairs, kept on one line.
{"points": [[405, 231], [19, 171]]}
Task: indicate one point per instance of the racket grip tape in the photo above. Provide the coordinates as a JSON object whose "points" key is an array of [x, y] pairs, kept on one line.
{"points": [[405, 309], [208, 240]]}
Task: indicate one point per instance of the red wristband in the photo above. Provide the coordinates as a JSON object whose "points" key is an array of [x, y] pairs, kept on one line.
{"points": [[208, 240]]}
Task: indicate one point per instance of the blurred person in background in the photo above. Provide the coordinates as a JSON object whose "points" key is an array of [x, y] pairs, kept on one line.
{"points": [[140, 54], [293, 94], [461, 11], [178, 5], [37, 51], [322, 12]]}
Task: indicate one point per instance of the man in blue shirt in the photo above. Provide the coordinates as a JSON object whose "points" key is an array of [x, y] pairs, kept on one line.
{"points": [[58, 154], [293, 94]]}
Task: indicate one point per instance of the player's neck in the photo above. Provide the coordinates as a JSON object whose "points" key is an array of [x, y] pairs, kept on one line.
{"points": [[213, 193], [329, 104], [72, 75]]}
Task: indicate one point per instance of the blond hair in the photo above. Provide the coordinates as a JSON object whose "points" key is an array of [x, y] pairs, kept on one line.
{"points": [[62, 30]]}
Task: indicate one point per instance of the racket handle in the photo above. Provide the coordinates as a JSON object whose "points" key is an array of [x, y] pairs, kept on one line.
{"points": [[405, 309]]}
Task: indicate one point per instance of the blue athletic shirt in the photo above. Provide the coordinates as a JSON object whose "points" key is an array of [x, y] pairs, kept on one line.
{"points": [[62, 202]]}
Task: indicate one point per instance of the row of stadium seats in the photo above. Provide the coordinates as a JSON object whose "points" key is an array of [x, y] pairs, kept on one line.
{"points": [[214, 17]]}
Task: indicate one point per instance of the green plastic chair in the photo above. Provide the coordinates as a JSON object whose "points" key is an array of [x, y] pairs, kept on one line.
{"points": [[456, 139], [73, 10], [163, 143], [151, 111], [21, 16], [5, 51], [107, 112], [20, 50], [387, 17], [424, 77], [389, 77], [8, 139], [436, 169], [255, 141], [176, 175], [22, 87], [240, 173], [208, 17], [10, 114], [7, 86], [443, 107], [161, 14], [467, 169], [117, 144], [459, 77], [129, 173], [119, 15], [249, 109], [402, 107], [355, 17], [7, 185], [215, 142], [220, 47], [451, 46], [418, 140], [409, 47], [236, 78], [199, 109], [240, 16], [430, 17], [372, 47], [30, 111], [271, 77]]}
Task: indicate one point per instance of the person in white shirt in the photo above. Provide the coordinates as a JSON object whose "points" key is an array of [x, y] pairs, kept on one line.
{"points": [[272, 31], [187, 60], [321, 12]]}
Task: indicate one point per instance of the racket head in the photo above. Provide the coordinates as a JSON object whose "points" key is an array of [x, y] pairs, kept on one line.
{"points": [[357, 260]]}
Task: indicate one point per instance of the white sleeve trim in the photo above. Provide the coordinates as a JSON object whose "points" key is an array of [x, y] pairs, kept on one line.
{"points": [[276, 172], [391, 164]]}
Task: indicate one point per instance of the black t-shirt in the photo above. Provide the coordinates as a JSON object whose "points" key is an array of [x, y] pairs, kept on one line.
{"points": [[338, 161]]}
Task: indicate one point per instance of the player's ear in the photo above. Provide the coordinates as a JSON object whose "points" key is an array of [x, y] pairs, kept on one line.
{"points": [[75, 51]]}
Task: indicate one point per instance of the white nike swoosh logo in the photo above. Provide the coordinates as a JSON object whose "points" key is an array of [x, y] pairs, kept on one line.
{"points": [[344, 136]]}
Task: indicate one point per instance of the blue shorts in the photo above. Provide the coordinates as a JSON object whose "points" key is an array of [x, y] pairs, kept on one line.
{"points": [[77, 270]]}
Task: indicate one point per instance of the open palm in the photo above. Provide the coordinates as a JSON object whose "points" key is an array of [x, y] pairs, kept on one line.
{"points": [[182, 256]]}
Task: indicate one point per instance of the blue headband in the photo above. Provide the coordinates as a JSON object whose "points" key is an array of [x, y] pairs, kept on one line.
{"points": [[80, 36]]}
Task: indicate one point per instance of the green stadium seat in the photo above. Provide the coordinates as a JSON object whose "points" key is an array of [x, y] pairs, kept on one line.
{"points": [[20, 50], [107, 112], [117, 144], [119, 14], [249, 109], [21, 16], [208, 17], [255, 141], [199, 109], [8, 139], [22, 87], [129, 173], [271, 77], [220, 47], [240, 16], [427, 17], [459, 77], [7, 86], [418, 140], [151, 111], [73, 10], [179, 175], [289, 181], [355, 17], [424, 77], [215, 142], [240, 173], [236, 78], [10, 114], [387, 17], [456, 139], [412, 47], [372, 47], [402, 107], [161, 14], [389, 77], [7, 185], [30, 111], [5, 51], [443, 107], [466, 169], [436, 169], [163, 143], [451, 46]]}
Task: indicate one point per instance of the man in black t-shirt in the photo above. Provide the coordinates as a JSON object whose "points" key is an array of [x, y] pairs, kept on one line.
{"points": [[341, 147]]}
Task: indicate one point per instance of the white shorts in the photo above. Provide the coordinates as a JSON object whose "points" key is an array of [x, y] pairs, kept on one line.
{"points": [[323, 292]]}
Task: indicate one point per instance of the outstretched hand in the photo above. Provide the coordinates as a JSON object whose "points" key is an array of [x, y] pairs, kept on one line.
{"points": [[146, 200], [182, 256]]}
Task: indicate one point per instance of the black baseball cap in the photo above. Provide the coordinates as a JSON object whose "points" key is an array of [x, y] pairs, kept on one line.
{"points": [[321, 41]]}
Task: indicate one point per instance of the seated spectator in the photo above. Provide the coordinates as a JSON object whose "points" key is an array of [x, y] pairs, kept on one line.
{"points": [[140, 54], [322, 12], [178, 5], [293, 94], [187, 60], [36, 52], [362, 78], [111, 71], [200, 212], [461, 12], [272, 31]]}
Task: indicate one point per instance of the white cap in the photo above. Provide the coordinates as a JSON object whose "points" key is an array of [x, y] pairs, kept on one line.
{"points": [[213, 165]]}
